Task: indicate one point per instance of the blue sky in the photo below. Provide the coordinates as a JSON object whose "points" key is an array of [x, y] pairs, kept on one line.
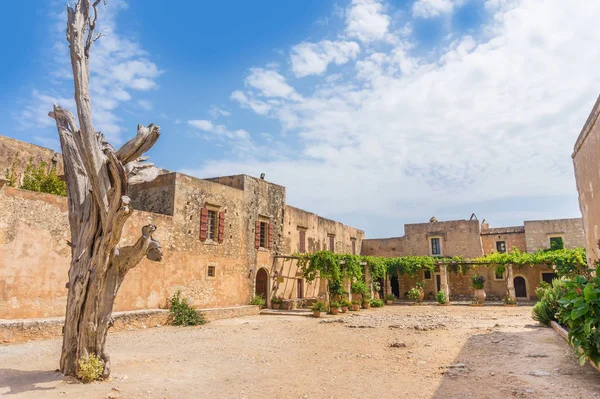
{"points": [[372, 112]]}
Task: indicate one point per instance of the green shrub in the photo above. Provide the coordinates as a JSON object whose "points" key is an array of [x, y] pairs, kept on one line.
{"points": [[509, 300], [359, 287], [579, 310], [420, 285], [376, 303], [390, 297], [546, 308], [366, 298], [90, 368], [334, 304], [277, 299], [258, 300], [345, 302], [43, 181], [478, 281], [319, 306], [541, 289], [183, 313], [441, 297], [414, 294]]}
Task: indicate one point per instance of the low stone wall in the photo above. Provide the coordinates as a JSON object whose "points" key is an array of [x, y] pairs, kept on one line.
{"points": [[565, 335], [13, 331]]}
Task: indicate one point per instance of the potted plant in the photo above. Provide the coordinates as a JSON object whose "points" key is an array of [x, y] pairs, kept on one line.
{"points": [[258, 300], [416, 295], [442, 299], [345, 304], [334, 307], [509, 301], [318, 308], [376, 303], [276, 302], [355, 305], [420, 285], [366, 301], [389, 299], [478, 283]]}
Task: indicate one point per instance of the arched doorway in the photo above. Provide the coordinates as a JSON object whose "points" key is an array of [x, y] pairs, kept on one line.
{"points": [[262, 285], [395, 286], [520, 287]]}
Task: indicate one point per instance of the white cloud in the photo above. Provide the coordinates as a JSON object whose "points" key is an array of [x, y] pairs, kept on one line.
{"points": [[216, 112], [313, 58], [258, 106], [366, 21], [201, 124], [145, 105], [494, 116], [118, 67], [434, 8], [270, 83]]}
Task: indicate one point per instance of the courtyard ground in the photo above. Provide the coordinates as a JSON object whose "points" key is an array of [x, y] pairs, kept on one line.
{"points": [[399, 351]]}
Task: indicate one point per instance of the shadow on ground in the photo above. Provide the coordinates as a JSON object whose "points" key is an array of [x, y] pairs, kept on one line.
{"points": [[535, 363], [19, 381]]}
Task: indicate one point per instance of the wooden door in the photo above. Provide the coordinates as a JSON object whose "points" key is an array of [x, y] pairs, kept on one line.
{"points": [[261, 283], [520, 287]]}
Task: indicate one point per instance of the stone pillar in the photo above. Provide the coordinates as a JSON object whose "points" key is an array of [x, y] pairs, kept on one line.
{"points": [[444, 286], [510, 282], [400, 290], [368, 278], [388, 285]]}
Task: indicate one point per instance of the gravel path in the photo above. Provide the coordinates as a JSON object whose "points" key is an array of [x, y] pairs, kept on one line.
{"points": [[395, 352]]}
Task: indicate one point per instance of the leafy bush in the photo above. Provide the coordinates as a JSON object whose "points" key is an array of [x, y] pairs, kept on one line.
{"points": [[414, 294], [277, 299], [420, 285], [359, 287], [319, 306], [509, 300], [258, 300], [334, 304], [579, 310], [366, 298], [541, 289], [478, 281], [441, 297], [183, 313], [376, 303], [390, 297], [345, 303], [90, 368], [38, 179], [546, 308]]}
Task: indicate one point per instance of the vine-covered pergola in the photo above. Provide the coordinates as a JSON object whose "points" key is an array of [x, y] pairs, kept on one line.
{"points": [[340, 269]]}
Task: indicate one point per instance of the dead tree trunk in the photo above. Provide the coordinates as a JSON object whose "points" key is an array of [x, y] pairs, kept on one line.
{"points": [[97, 179]]}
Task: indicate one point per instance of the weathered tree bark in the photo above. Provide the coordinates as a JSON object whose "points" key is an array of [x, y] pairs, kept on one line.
{"points": [[97, 180]]}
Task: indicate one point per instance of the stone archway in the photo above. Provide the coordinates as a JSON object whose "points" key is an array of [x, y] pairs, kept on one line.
{"points": [[262, 283], [520, 287]]}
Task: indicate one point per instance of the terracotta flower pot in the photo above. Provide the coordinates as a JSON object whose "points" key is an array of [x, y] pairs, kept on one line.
{"points": [[479, 296], [355, 306], [389, 302], [421, 295], [316, 313], [366, 305], [344, 309], [334, 310], [276, 306]]}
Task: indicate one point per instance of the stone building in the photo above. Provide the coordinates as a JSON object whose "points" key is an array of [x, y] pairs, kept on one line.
{"points": [[471, 239], [15, 155], [224, 240], [586, 158]]}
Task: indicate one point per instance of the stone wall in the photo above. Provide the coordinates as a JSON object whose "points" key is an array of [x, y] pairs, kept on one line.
{"points": [[586, 158], [18, 153], [539, 232], [514, 237], [157, 196]]}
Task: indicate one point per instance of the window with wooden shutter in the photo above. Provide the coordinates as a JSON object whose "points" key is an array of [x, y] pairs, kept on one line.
{"points": [[221, 226], [302, 241], [270, 240], [203, 223], [257, 234], [332, 243]]}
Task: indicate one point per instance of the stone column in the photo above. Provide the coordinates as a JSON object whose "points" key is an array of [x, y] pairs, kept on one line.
{"points": [[400, 290], [368, 279], [388, 285], [510, 282], [444, 286]]}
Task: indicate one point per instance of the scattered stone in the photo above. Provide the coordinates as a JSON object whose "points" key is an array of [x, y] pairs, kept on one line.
{"points": [[457, 366], [536, 355], [534, 326], [398, 344], [539, 373]]}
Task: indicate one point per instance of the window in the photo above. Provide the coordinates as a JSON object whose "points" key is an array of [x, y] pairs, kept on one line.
{"points": [[548, 277], [212, 232], [212, 224], [263, 234], [556, 243], [302, 237], [211, 271], [353, 246], [332, 243], [427, 274], [501, 246], [436, 248], [498, 276]]}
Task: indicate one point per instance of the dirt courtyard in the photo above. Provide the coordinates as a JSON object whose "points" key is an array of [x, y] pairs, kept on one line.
{"points": [[396, 352]]}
